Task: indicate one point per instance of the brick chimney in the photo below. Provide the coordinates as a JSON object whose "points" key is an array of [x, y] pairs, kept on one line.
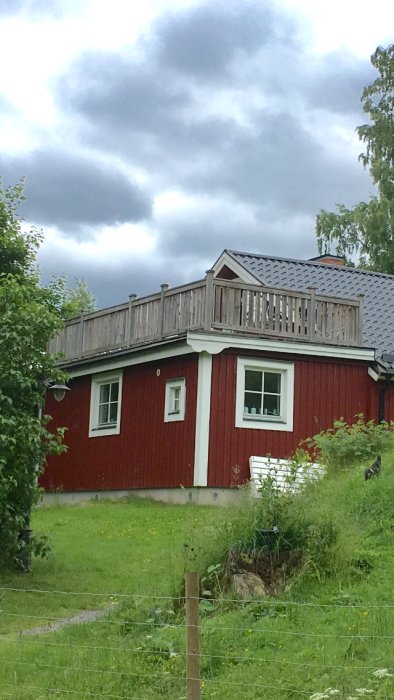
{"points": [[328, 259]]}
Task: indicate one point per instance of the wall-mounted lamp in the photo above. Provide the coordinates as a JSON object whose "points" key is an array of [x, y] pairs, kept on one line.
{"points": [[59, 391]]}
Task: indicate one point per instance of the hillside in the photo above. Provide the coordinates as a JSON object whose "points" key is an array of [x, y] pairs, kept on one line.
{"points": [[328, 633]]}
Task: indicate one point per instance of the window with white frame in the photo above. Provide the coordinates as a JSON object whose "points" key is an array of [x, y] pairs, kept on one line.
{"points": [[175, 400], [105, 404], [265, 394]]}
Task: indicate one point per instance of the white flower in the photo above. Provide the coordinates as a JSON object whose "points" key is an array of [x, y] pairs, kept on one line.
{"points": [[364, 691], [382, 673], [319, 696]]}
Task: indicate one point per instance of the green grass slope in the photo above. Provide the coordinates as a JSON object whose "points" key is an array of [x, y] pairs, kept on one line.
{"points": [[329, 633]]}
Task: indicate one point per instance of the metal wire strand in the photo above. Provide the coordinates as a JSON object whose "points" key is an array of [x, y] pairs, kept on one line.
{"points": [[151, 596], [227, 657]]}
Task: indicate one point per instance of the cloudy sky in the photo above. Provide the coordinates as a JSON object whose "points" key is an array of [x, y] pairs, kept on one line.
{"points": [[154, 134]]}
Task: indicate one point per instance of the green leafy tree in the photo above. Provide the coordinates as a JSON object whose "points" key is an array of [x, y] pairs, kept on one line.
{"points": [[29, 317], [367, 230], [78, 298]]}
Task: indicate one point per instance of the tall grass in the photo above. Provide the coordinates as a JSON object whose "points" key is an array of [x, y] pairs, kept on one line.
{"points": [[327, 629]]}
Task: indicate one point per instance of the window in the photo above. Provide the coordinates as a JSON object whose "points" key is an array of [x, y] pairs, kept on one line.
{"points": [[265, 391], [174, 407], [105, 404]]}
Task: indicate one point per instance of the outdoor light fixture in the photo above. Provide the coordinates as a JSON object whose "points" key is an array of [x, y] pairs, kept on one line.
{"points": [[59, 391]]}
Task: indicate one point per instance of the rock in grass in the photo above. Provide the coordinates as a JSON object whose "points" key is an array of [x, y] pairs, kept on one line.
{"points": [[247, 585]]}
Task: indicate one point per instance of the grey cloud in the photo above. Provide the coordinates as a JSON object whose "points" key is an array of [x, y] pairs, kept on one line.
{"points": [[225, 223], [111, 284], [143, 115], [175, 263], [71, 191], [116, 91], [208, 228], [336, 82], [283, 166], [145, 110], [143, 107], [204, 41]]}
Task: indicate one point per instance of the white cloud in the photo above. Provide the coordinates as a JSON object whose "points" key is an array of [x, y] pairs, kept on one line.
{"points": [[355, 26], [109, 246], [243, 162]]}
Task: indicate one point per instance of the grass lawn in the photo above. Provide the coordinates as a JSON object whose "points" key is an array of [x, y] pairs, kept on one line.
{"points": [[133, 547], [108, 548], [332, 627]]}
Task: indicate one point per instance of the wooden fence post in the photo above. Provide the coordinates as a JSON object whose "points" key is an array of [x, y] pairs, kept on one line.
{"points": [[208, 314], [130, 321], [192, 592], [164, 288]]}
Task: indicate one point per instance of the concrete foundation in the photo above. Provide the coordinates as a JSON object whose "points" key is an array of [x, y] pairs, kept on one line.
{"points": [[200, 496]]}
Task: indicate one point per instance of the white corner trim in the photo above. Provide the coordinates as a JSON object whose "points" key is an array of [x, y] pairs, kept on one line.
{"points": [[98, 364], [203, 412], [215, 343], [239, 270]]}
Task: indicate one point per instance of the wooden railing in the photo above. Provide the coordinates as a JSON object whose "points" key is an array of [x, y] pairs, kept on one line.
{"points": [[213, 305]]}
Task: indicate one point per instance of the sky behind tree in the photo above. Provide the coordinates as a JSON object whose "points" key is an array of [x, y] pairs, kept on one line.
{"points": [[153, 135]]}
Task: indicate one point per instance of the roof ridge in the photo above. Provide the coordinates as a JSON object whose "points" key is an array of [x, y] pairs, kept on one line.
{"points": [[341, 268]]}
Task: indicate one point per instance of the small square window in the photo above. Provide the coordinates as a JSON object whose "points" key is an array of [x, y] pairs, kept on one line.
{"points": [[105, 404], [265, 392], [175, 399]]}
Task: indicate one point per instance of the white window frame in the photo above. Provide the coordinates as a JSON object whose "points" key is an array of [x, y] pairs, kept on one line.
{"points": [[172, 385], [262, 422], [97, 381]]}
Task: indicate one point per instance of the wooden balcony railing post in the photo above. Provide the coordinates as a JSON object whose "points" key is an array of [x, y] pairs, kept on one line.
{"points": [[164, 288], [129, 333], [312, 314], [81, 332], [359, 321], [208, 311], [226, 305]]}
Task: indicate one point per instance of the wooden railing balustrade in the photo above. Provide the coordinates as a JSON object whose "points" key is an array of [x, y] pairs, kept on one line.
{"points": [[213, 305]]}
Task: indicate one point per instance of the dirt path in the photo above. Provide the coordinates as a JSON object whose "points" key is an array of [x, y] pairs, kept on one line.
{"points": [[80, 619]]}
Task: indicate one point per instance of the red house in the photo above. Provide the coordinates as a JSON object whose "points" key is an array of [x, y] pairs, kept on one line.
{"points": [[172, 393]]}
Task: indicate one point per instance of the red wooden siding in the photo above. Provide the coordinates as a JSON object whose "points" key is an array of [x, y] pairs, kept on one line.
{"points": [[388, 402], [323, 391], [148, 453]]}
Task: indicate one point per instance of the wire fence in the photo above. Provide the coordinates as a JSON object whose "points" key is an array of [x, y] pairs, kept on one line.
{"points": [[152, 646]]}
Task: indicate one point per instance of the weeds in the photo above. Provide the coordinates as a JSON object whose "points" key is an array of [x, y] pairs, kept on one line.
{"points": [[344, 443]]}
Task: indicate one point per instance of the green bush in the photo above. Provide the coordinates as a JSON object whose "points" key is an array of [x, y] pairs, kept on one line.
{"points": [[344, 443]]}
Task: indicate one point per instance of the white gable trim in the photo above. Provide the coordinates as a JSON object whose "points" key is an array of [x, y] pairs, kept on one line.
{"points": [[239, 270], [215, 343], [135, 359]]}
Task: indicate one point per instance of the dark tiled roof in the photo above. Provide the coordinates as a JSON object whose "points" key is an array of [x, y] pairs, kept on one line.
{"points": [[378, 289]]}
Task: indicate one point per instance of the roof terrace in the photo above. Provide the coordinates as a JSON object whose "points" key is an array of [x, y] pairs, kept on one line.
{"points": [[212, 305]]}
